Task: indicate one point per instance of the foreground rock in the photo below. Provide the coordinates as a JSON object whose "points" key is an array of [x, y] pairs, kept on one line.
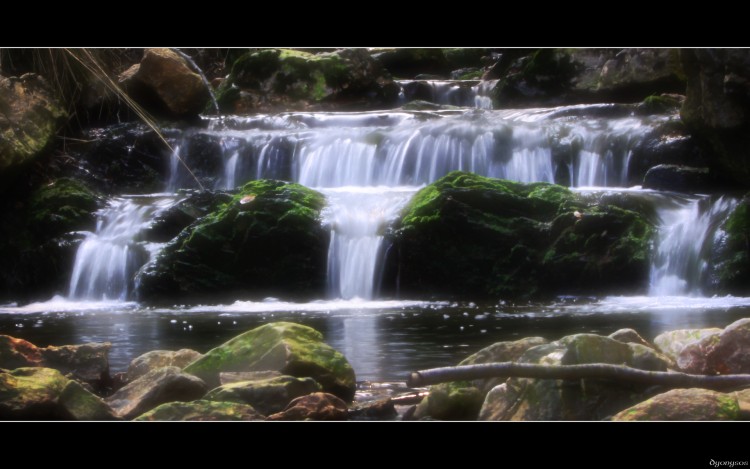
{"points": [[30, 115], [156, 387], [289, 348], [268, 240], [45, 394], [201, 411], [159, 358], [528, 240], [88, 362], [684, 404], [462, 400], [267, 396], [317, 406], [687, 347], [587, 399], [164, 81]]}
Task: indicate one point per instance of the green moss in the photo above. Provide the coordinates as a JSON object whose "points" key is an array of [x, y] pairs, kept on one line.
{"points": [[62, 206], [734, 271], [201, 410]]}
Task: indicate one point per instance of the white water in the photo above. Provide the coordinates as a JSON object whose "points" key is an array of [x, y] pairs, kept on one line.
{"points": [[108, 258]]}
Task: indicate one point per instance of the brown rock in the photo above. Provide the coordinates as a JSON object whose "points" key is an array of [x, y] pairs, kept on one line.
{"points": [[731, 352], [316, 406], [684, 404], [687, 347], [159, 358]]}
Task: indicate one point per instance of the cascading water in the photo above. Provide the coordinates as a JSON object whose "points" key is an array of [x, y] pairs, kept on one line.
{"points": [[464, 93], [108, 258]]}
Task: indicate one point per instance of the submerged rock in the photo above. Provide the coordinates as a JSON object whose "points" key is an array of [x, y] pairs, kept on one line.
{"points": [[586, 399], [201, 411], [273, 245], [527, 240], [150, 361], [317, 406], [267, 396], [159, 386], [45, 394], [684, 404], [289, 348]]}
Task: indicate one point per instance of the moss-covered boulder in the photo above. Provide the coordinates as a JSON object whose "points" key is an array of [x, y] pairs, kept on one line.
{"points": [[462, 400], [684, 404], [154, 359], [267, 240], [629, 336], [526, 240], [586, 399], [45, 394], [159, 386], [267, 396], [733, 265], [293, 79], [201, 411], [290, 348], [316, 406], [30, 115]]}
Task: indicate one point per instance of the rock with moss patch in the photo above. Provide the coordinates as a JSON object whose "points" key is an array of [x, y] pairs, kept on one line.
{"points": [[154, 359], [688, 347], [585, 399], [267, 240], [159, 386], [201, 411], [292, 349], [45, 394], [730, 354], [684, 404], [316, 406], [527, 240], [629, 336], [267, 396]]}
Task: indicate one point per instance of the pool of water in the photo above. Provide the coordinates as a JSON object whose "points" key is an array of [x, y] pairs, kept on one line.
{"points": [[383, 340]]}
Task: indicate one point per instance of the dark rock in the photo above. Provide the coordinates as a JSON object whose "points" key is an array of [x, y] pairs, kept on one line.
{"points": [[170, 222], [267, 396], [410, 62], [159, 386], [382, 409], [679, 179], [165, 75], [30, 116], [289, 348], [150, 361], [684, 404], [272, 245], [733, 259], [317, 406], [201, 411]]}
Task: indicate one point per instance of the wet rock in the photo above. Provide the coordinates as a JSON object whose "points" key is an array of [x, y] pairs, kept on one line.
{"points": [[45, 394], [529, 240], [159, 386], [229, 377], [688, 347], [730, 354], [629, 336], [684, 404], [201, 411], [150, 361], [679, 179], [317, 406], [733, 260], [382, 409], [289, 348], [273, 245], [163, 77], [30, 115], [587, 399], [88, 363], [172, 221], [410, 62], [267, 396]]}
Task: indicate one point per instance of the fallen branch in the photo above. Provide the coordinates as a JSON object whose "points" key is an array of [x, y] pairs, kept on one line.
{"points": [[588, 371]]}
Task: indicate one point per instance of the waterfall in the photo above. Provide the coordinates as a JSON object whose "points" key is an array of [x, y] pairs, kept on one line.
{"points": [[688, 227], [107, 259]]}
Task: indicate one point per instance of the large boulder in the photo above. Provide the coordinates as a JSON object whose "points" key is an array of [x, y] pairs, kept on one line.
{"points": [[688, 348], [730, 354], [201, 411], [286, 79], [462, 400], [88, 363], [684, 404], [267, 240], [717, 108], [45, 394], [159, 386], [527, 240], [677, 178], [30, 116], [585, 399], [289, 348], [267, 396], [316, 406], [154, 359], [165, 77]]}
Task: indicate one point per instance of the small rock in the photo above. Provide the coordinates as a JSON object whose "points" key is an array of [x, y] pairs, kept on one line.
{"points": [[317, 406], [158, 358], [267, 396], [629, 336], [201, 411], [684, 404], [382, 409]]}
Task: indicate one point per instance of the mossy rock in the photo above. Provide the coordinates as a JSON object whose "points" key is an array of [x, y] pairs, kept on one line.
{"points": [[266, 240], [63, 206], [734, 268], [684, 404], [289, 348], [267, 396], [201, 411]]}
